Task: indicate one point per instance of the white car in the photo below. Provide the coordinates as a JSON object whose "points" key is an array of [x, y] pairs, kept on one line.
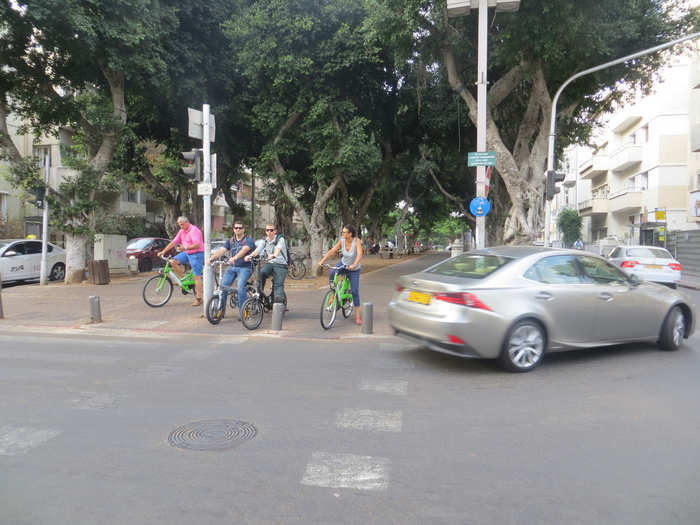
{"points": [[20, 259], [650, 263]]}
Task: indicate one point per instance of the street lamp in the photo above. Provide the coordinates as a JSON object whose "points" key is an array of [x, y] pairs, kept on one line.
{"points": [[459, 8]]}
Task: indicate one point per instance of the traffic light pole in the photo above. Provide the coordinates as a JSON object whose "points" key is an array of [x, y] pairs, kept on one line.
{"points": [[481, 94], [207, 281], [43, 273], [553, 119]]}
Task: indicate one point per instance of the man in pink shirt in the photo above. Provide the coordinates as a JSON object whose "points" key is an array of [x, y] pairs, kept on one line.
{"points": [[190, 243]]}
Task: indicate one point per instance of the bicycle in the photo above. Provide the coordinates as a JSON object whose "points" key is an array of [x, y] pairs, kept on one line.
{"points": [[159, 289], [253, 309], [339, 297], [296, 266], [216, 306]]}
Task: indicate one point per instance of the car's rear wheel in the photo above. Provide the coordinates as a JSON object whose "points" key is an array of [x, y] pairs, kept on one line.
{"points": [[58, 272], [523, 347], [673, 330]]}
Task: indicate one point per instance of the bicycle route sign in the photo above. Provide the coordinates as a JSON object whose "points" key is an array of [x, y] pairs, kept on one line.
{"points": [[479, 206]]}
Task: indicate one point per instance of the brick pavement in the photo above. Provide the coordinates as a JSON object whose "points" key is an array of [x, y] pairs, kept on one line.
{"points": [[60, 308]]}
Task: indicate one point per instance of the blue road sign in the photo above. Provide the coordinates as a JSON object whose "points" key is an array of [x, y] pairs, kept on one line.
{"points": [[479, 206]]}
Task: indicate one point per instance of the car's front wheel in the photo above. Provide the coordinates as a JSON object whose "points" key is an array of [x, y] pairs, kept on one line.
{"points": [[523, 347], [673, 330]]}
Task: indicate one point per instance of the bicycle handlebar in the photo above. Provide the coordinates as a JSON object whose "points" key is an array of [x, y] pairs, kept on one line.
{"points": [[343, 267]]}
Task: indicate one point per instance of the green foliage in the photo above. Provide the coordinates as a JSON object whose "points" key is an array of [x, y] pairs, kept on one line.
{"points": [[569, 223], [131, 226]]}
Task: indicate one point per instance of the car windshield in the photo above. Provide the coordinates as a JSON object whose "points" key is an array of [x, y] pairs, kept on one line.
{"points": [[657, 253], [138, 244], [470, 266]]}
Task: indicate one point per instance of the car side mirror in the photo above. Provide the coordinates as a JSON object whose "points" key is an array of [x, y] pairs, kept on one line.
{"points": [[634, 280], [10, 253]]}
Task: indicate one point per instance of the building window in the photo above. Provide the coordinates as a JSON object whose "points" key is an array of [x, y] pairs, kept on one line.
{"points": [[3, 207], [132, 196], [39, 152]]}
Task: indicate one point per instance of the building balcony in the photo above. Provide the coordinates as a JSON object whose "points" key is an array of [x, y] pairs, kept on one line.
{"points": [[626, 157], [594, 206], [695, 137], [627, 200], [594, 166]]}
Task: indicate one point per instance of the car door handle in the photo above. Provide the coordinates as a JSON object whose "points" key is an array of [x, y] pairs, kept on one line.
{"points": [[544, 296], [605, 296]]}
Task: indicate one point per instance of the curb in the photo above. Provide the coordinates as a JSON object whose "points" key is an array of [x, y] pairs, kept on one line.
{"points": [[96, 330]]}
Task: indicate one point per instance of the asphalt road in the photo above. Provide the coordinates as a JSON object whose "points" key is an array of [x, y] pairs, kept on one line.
{"points": [[353, 432]]}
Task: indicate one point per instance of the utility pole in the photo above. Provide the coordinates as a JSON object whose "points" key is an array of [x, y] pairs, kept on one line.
{"points": [[43, 273]]}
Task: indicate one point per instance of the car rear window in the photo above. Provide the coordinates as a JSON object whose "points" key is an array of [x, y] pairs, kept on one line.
{"points": [[470, 266], [658, 253]]}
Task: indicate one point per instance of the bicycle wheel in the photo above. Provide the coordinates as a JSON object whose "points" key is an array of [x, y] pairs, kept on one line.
{"points": [[329, 308], [347, 307], [157, 290], [251, 313], [215, 309], [297, 270]]}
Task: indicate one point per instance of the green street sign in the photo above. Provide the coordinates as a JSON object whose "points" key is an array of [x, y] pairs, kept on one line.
{"points": [[481, 158]]}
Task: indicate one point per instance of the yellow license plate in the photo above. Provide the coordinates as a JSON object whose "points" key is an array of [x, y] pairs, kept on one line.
{"points": [[417, 297], [654, 266]]}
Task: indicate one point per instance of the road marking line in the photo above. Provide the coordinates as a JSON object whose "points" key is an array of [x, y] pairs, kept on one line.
{"points": [[347, 471], [18, 440], [389, 386], [372, 420]]}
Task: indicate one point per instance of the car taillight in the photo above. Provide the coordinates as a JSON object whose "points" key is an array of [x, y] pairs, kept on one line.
{"points": [[462, 299], [675, 266], [399, 288], [629, 264]]}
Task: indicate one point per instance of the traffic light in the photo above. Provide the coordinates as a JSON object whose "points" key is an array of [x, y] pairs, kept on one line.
{"points": [[39, 195], [551, 188], [193, 171]]}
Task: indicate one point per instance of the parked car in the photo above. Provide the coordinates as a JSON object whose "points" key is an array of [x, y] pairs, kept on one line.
{"points": [[514, 303], [20, 259], [649, 263], [146, 249]]}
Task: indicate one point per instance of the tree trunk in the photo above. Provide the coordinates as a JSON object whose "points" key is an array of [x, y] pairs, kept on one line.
{"points": [[76, 247]]}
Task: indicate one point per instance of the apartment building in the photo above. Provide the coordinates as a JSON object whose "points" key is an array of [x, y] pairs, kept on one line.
{"points": [[642, 179]]}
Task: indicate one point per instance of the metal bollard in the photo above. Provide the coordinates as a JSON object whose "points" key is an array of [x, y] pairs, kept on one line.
{"points": [[367, 312], [95, 313], [277, 314]]}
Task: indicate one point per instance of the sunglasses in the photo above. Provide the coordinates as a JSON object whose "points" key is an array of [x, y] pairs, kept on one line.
{"points": [[269, 230], [238, 227]]}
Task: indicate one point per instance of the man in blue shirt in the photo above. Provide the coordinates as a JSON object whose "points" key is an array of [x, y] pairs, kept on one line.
{"points": [[239, 245]]}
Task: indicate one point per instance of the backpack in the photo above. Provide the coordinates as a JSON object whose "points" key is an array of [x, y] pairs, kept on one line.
{"points": [[285, 252]]}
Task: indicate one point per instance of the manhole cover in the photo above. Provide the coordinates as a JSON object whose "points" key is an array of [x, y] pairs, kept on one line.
{"points": [[213, 434]]}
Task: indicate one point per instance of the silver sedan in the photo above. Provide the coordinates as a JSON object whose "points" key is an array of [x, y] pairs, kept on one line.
{"points": [[514, 303]]}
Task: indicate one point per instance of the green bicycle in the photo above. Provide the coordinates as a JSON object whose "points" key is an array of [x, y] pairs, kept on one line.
{"points": [[339, 297], [159, 289]]}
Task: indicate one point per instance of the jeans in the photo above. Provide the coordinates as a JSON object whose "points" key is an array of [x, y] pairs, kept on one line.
{"points": [[243, 273], [354, 276], [279, 274]]}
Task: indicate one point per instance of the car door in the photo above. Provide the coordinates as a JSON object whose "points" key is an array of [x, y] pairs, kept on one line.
{"points": [[562, 297], [623, 311], [33, 254], [14, 262]]}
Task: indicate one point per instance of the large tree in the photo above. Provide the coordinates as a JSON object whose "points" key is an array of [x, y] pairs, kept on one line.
{"points": [[531, 53], [68, 63]]}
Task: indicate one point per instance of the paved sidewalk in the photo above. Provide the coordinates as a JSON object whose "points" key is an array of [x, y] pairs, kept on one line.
{"points": [[58, 308]]}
